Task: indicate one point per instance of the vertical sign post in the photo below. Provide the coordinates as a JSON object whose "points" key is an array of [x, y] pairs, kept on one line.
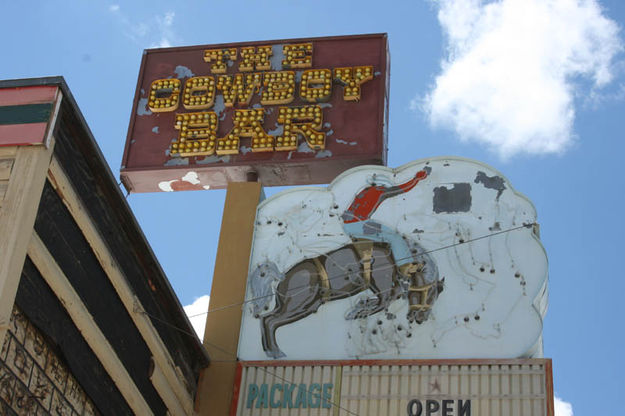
{"points": [[221, 336]]}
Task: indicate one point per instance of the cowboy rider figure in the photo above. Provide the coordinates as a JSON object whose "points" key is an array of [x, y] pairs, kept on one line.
{"points": [[357, 222]]}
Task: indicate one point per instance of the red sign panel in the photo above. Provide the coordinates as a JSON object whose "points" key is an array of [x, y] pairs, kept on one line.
{"points": [[295, 112]]}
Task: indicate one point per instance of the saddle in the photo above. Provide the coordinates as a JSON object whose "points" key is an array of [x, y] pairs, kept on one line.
{"points": [[364, 250]]}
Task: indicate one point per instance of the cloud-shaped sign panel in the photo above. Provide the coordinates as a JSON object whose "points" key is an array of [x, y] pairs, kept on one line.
{"points": [[436, 259]]}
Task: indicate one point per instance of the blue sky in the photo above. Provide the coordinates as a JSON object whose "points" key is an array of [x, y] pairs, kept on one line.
{"points": [[534, 88]]}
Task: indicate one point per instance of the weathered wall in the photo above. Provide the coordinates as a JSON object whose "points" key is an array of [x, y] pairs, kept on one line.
{"points": [[34, 379]]}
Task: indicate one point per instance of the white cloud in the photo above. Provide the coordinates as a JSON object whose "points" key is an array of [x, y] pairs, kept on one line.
{"points": [[164, 24], [156, 32], [514, 67], [197, 312], [562, 408]]}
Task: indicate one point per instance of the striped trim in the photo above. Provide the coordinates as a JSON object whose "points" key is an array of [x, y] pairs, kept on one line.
{"points": [[23, 114], [26, 114], [22, 134], [27, 95]]}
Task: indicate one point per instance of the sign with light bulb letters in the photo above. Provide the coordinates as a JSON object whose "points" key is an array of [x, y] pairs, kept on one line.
{"points": [[296, 112]]}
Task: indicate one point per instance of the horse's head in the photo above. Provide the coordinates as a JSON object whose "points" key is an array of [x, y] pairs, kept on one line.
{"points": [[421, 299], [423, 286], [262, 283]]}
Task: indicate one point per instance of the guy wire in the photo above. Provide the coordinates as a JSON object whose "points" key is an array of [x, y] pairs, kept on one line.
{"points": [[528, 225]]}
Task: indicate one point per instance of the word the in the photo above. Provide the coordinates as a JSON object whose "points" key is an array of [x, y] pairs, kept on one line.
{"points": [[439, 407], [290, 396]]}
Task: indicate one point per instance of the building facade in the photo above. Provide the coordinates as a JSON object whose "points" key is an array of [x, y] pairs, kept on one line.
{"points": [[89, 323]]}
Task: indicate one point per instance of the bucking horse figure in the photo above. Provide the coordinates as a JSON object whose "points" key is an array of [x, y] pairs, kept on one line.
{"points": [[378, 259], [347, 271]]}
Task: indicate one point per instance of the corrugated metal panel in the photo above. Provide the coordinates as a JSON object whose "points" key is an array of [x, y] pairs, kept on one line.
{"points": [[504, 388]]}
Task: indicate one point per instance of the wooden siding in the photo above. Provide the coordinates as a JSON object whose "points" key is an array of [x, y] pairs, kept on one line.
{"points": [[20, 200], [104, 203], [7, 159], [68, 246], [114, 338], [45, 312], [34, 378]]}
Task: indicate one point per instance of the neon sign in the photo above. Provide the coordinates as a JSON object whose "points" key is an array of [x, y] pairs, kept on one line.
{"points": [[198, 131], [294, 111]]}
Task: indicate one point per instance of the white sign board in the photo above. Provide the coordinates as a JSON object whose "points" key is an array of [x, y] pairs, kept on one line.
{"points": [[404, 387], [436, 259]]}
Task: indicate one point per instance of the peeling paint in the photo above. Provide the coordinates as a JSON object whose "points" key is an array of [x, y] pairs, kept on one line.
{"points": [[167, 152], [189, 181], [277, 131], [277, 57], [213, 159], [454, 199], [352, 143], [491, 182], [323, 153], [377, 73], [219, 107], [178, 161], [325, 105], [165, 186], [245, 150], [155, 129], [304, 148], [289, 156], [183, 72], [191, 177], [327, 125], [142, 108], [142, 91], [330, 132], [257, 105], [298, 76]]}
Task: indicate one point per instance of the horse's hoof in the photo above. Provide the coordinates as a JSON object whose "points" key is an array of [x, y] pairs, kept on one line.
{"points": [[276, 354]]}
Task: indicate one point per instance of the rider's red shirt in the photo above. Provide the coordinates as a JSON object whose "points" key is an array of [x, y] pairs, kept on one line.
{"points": [[365, 203], [369, 199]]}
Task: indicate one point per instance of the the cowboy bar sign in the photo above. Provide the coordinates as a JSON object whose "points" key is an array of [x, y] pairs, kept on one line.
{"points": [[297, 111], [439, 258]]}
